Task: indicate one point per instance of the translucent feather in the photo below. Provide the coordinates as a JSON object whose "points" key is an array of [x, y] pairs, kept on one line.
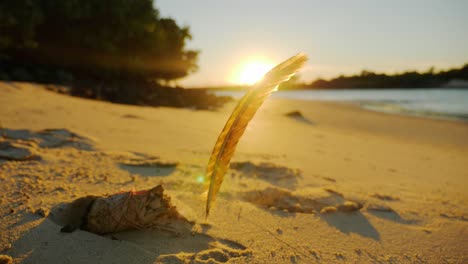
{"points": [[240, 117]]}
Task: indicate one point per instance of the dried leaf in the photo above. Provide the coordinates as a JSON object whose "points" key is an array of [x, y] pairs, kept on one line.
{"points": [[240, 117]]}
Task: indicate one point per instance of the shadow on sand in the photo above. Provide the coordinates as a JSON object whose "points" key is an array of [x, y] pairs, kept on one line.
{"points": [[49, 138], [299, 117], [393, 216], [148, 171], [45, 243], [352, 223]]}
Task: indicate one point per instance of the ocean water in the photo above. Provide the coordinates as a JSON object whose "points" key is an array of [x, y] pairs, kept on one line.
{"points": [[434, 103]]}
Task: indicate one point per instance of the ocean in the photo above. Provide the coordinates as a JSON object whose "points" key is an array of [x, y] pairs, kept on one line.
{"points": [[434, 103]]}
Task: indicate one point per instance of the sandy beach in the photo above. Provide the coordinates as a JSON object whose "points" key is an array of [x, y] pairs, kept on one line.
{"points": [[338, 184]]}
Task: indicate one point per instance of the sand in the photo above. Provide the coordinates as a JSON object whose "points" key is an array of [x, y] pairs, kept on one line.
{"points": [[336, 184]]}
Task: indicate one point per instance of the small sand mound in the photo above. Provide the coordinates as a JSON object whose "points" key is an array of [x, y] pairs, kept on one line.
{"points": [[277, 175], [379, 208], [144, 164], [298, 116], [18, 150], [384, 197], [131, 116], [22, 144], [454, 217], [50, 138], [143, 160], [310, 201]]}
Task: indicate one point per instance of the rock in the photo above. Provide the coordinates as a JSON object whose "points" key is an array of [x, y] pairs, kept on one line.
{"points": [[121, 211], [126, 211], [295, 114]]}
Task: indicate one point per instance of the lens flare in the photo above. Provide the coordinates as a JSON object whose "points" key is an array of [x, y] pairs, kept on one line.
{"points": [[201, 179], [251, 71]]}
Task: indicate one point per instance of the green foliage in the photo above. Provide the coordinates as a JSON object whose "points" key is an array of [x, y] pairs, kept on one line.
{"points": [[95, 38], [4, 76], [21, 74], [115, 50], [18, 21], [413, 79], [64, 77]]}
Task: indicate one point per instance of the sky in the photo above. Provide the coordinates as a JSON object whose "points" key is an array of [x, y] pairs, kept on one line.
{"points": [[339, 36]]}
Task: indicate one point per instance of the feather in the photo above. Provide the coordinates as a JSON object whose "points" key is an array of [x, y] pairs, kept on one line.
{"points": [[236, 124]]}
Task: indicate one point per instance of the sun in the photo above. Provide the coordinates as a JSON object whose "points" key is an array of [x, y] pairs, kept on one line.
{"points": [[251, 71]]}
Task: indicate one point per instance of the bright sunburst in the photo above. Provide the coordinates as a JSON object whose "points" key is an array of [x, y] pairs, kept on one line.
{"points": [[252, 71]]}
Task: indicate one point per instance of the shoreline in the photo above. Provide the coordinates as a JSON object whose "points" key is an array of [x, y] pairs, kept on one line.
{"points": [[376, 101]]}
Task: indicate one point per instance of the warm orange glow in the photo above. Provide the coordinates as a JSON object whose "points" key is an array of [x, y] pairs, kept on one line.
{"points": [[251, 71]]}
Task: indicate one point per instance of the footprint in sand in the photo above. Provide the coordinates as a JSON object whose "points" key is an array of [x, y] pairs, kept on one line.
{"points": [[187, 247], [18, 150], [221, 251], [144, 164], [53, 138], [275, 174], [22, 144]]}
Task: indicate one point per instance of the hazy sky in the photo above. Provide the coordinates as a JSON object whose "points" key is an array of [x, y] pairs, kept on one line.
{"points": [[340, 37]]}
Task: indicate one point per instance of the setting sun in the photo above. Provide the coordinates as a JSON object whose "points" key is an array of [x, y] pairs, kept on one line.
{"points": [[252, 71]]}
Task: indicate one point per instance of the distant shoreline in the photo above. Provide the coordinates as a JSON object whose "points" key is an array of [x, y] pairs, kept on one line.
{"points": [[434, 103], [452, 78], [451, 84]]}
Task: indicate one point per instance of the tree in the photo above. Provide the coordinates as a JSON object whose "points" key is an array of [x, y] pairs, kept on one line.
{"points": [[18, 20], [95, 38]]}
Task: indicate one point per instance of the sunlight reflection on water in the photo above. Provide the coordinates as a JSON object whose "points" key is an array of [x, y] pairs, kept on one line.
{"points": [[441, 103]]}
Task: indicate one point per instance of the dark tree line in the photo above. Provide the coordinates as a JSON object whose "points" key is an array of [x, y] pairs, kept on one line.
{"points": [[115, 36], [413, 79], [117, 50]]}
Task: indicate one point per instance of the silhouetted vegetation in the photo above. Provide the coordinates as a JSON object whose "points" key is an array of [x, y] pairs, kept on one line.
{"points": [[456, 78], [413, 79], [117, 50]]}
